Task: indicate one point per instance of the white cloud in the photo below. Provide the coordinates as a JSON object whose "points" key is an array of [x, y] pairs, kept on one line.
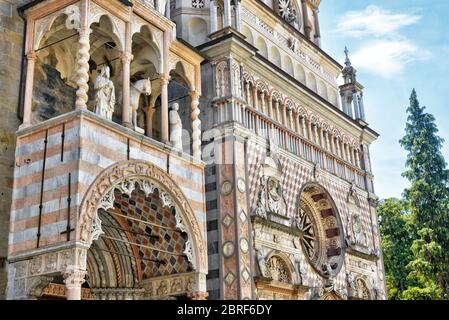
{"points": [[382, 50], [374, 21], [387, 58]]}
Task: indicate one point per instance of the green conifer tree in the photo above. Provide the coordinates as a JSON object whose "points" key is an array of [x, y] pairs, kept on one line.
{"points": [[428, 202]]}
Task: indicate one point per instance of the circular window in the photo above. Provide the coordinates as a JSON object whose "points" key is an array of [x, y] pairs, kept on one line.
{"points": [[320, 231]]}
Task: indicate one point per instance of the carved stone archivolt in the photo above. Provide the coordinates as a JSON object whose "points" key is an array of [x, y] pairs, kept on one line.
{"points": [[124, 177]]}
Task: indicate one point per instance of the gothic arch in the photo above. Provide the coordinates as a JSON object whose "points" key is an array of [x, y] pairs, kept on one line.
{"points": [[287, 266], [122, 173], [118, 26]]}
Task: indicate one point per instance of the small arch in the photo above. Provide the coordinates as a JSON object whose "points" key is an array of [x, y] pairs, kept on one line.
{"points": [[261, 45], [322, 89], [275, 56], [300, 74], [333, 97], [311, 82], [248, 34], [287, 65]]}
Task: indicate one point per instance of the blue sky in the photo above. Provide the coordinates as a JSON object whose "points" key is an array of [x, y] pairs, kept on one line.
{"points": [[396, 45]]}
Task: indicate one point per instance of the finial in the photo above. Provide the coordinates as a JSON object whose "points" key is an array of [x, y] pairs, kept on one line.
{"points": [[347, 62]]}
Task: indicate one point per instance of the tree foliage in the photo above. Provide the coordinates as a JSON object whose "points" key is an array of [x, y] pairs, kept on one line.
{"points": [[415, 230]]}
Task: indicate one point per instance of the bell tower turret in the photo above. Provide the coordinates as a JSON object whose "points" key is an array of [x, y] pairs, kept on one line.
{"points": [[352, 92]]}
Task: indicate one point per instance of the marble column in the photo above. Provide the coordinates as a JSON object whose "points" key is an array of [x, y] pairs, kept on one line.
{"points": [[290, 115], [264, 111], [213, 16], [28, 101], [238, 15], [83, 57], [278, 111], [227, 13], [248, 93], [164, 109], [168, 10], [317, 28], [255, 99], [304, 127], [298, 126], [196, 125], [74, 279], [284, 115], [306, 23], [126, 113], [270, 105], [326, 138]]}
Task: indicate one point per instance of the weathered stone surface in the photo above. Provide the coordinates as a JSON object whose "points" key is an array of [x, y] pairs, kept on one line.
{"points": [[11, 48]]}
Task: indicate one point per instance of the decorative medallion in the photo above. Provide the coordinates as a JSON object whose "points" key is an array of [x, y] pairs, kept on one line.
{"points": [[244, 245], [229, 278], [228, 249], [227, 220], [245, 275], [243, 216], [226, 188], [241, 185]]}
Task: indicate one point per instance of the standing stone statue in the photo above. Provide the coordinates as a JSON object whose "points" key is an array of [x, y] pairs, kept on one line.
{"points": [[175, 127], [104, 94]]}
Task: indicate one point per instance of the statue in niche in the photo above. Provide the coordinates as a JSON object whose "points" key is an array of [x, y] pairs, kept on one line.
{"points": [[104, 94], [137, 89], [175, 127]]}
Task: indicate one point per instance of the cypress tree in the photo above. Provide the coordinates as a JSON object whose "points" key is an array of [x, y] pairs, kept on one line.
{"points": [[427, 197]]}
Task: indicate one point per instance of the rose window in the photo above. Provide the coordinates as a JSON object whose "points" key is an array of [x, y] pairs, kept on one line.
{"points": [[198, 4], [320, 229], [287, 10]]}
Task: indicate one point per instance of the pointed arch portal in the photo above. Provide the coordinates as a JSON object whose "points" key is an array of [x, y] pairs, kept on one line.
{"points": [[143, 236]]}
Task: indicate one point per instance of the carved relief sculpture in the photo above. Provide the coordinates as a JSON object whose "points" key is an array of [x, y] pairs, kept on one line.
{"points": [[137, 89], [104, 94], [175, 127]]}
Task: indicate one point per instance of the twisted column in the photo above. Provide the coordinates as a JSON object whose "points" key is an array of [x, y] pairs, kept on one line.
{"points": [[196, 125], [83, 68], [28, 102]]}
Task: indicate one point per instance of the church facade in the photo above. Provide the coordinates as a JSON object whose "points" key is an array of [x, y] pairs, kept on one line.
{"points": [[183, 149]]}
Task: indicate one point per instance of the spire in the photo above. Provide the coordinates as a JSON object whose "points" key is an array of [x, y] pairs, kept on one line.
{"points": [[349, 72], [347, 62]]}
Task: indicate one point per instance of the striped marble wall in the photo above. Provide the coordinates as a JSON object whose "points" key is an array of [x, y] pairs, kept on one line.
{"points": [[81, 145]]}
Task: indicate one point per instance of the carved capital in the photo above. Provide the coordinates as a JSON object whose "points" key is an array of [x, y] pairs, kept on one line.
{"points": [[195, 95], [85, 32], [126, 57], [32, 56], [198, 295], [74, 278], [165, 79]]}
